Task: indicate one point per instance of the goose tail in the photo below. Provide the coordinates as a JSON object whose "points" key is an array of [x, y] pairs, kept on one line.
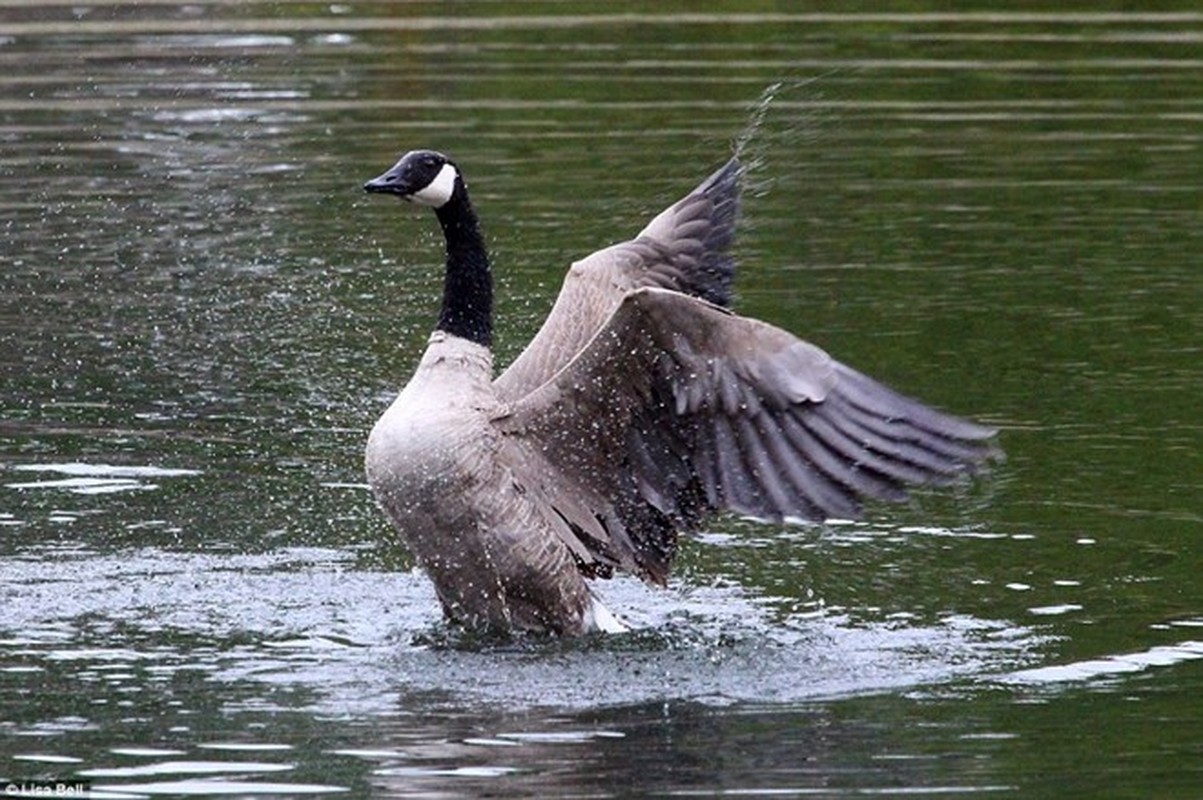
{"points": [[601, 619]]}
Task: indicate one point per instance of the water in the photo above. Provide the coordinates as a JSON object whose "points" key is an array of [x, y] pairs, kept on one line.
{"points": [[201, 316]]}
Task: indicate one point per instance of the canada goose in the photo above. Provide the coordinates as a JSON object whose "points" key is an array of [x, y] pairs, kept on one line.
{"points": [[642, 406]]}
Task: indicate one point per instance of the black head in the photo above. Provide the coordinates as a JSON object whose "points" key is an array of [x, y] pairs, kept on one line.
{"points": [[421, 176]]}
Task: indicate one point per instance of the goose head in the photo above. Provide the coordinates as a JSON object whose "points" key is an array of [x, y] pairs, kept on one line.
{"points": [[420, 176]]}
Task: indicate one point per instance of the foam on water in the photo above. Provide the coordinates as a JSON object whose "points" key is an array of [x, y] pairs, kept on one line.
{"points": [[90, 479], [1110, 666], [357, 640]]}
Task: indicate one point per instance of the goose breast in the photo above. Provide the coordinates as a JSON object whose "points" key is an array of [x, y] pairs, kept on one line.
{"points": [[456, 494]]}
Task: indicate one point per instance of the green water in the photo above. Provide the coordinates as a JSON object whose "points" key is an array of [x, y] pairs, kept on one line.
{"points": [[201, 316]]}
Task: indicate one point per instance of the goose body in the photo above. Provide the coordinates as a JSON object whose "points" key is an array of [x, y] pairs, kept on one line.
{"points": [[641, 407], [451, 483]]}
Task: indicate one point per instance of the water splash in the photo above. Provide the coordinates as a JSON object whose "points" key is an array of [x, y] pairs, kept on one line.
{"points": [[309, 628], [756, 139]]}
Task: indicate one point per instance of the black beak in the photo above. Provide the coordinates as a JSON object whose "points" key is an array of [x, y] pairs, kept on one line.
{"points": [[390, 182]]}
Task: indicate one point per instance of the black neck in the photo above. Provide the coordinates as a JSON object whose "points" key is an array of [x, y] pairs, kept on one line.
{"points": [[468, 284]]}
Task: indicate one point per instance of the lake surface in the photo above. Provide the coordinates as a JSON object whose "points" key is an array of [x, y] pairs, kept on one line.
{"points": [[201, 315]]}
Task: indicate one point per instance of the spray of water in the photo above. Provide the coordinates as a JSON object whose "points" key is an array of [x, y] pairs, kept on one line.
{"points": [[765, 141]]}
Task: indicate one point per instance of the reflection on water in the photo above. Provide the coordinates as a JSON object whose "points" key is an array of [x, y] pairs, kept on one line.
{"points": [[94, 478], [200, 317], [1164, 656]]}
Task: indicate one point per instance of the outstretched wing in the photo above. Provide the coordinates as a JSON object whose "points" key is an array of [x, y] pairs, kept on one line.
{"points": [[684, 248], [677, 408]]}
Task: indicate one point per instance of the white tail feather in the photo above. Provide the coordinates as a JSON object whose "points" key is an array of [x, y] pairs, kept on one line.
{"points": [[599, 618]]}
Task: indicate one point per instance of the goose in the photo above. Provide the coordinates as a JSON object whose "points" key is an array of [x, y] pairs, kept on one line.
{"points": [[643, 406]]}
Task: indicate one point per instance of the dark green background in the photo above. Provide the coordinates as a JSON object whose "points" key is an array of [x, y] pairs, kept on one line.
{"points": [[995, 209]]}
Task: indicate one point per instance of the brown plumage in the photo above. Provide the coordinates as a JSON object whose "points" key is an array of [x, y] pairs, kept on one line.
{"points": [[642, 407]]}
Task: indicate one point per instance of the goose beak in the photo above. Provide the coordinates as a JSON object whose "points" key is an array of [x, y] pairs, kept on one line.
{"points": [[390, 182]]}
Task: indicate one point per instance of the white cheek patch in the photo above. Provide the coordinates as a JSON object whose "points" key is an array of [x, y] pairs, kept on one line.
{"points": [[438, 191]]}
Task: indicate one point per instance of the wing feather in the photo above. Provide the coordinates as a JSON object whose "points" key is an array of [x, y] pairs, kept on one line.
{"points": [[797, 474], [677, 408], [684, 249]]}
